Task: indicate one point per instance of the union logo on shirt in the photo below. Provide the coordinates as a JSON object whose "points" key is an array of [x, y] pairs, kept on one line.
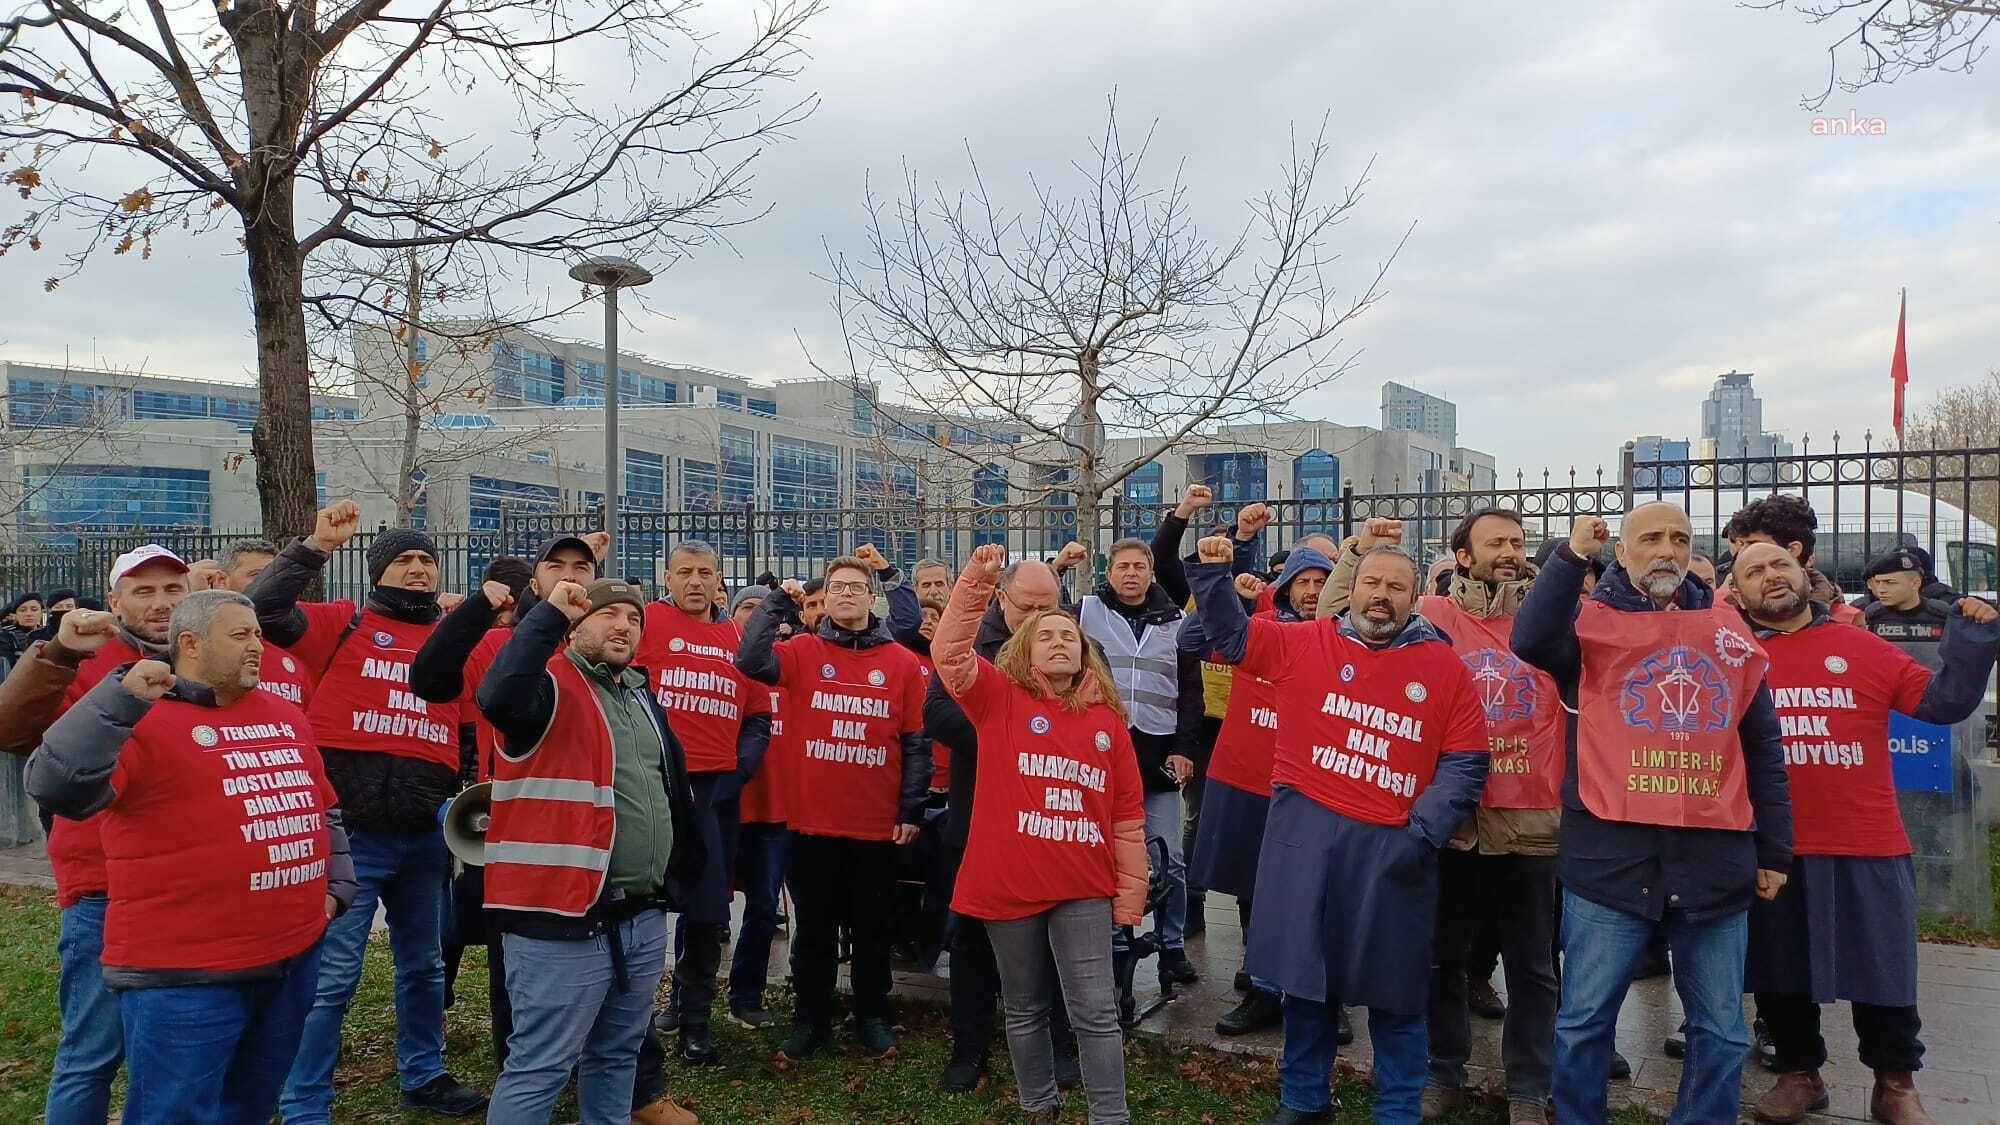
{"points": [[1733, 647], [205, 736], [677, 644], [876, 677], [1676, 691], [289, 666], [384, 640], [826, 672], [1039, 724], [1506, 690]]}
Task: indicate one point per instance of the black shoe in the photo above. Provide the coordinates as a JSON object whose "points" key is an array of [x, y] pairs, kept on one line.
{"points": [[1676, 1046], [1128, 1010], [806, 1040], [1483, 1001], [1258, 1010], [1286, 1115], [1243, 981], [1343, 1030], [698, 1045], [1197, 916], [1621, 1070], [962, 1074], [877, 1041], [1069, 1068], [1176, 968], [445, 1096], [750, 1019], [666, 1020]]}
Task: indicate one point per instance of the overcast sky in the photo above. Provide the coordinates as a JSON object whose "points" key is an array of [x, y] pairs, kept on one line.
{"points": [[1613, 203]]}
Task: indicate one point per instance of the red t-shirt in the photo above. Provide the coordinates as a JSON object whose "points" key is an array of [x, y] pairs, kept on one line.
{"points": [[1248, 740], [847, 710], [1053, 784], [764, 797], [364, 701], [1362, 729], [1834, 686], [76, 848], [217, 843], [691, 667]]}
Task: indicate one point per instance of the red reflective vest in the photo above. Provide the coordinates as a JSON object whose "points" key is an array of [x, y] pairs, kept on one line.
{"points": [[1524, 713], [1247, 744], [1657, 709], [216, 844], [548, 848]]}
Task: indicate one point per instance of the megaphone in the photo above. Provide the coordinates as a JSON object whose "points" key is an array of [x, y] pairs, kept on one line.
{"points": [[465, 819]]}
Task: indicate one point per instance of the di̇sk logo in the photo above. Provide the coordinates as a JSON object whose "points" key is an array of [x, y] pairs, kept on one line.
{"points": [[383, 640], [876, 678], [1039, 724], [205, 736], [1733, 647], [1103, 742], [1506, 690], [826, 671], [1676, 691]]}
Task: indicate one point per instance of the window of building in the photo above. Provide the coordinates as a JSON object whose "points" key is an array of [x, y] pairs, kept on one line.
{"points": [[645, 481], [1235, 478], [806, 475], [1143, 491], [730, 399], [699, 486], [490, 496], [739, 466], [864, 415], [764, 406], [1316, 482], [63, 500]]}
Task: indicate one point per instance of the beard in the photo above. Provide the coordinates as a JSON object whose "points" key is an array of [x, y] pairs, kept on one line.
{"points": [[1373, 631], [1662, 579], [1779, 607]]}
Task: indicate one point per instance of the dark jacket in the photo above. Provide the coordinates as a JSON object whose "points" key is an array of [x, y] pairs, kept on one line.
{"points": [[757, 658], [1159, 608], [1460, 778], [386, 793], [1647, 869], [946, 723], [518, 697], [1170, 570], [1916, 631], [70, 774]]}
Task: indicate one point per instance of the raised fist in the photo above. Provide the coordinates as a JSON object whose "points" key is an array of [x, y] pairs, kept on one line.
{"points": [[1196, 498], [335, 525], [870, 554], [1249, 586], [1254, 518], [148, 680], [448, 602], [572, 599], [990, 557], [1215, 549], [1588, 535], [1976, 610], [206, 574], [796, 589], [497, 595], [599, 543], [86, 630], [1379, 532], [1072, 555]]}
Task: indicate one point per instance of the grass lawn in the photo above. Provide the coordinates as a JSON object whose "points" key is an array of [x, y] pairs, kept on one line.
{"points": [[1166, 1085], [1958, 931]]}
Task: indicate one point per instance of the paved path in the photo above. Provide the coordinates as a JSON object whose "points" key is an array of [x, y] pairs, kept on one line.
{"points": [[1959, 994]]}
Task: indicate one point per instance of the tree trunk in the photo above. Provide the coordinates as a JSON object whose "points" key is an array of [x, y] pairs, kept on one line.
{"points": [[406, 497], [282, 441], [1088, 425]]}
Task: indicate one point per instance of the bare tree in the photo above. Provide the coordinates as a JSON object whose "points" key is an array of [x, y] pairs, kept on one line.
{"points": [[1965, 417], [309, 127], [1105, 314], [1881, 41]]}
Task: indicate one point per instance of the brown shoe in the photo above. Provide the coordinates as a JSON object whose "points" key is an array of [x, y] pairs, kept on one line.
{"points": [[666, 1111], [1440, 1099], [1895, 1100], [1526, 1112], [1797, 1093]]}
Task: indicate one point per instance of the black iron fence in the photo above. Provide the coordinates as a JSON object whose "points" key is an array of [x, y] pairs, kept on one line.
{"points": [[1868, 501]]}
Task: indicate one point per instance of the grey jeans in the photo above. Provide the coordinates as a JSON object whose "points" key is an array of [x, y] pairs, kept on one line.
{"points": [[1079, 935]]}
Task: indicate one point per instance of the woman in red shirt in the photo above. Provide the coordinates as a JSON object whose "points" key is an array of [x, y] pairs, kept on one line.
{"points": [[1056, 855]]}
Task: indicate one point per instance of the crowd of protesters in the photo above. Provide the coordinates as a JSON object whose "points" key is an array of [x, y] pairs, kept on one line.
{"points": [[1560, 764]]}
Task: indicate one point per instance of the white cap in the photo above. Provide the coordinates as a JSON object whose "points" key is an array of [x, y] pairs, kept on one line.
{"points": [[152, 552]]}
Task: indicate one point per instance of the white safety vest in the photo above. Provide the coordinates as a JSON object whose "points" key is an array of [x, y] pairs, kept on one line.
{"points": [[1146, 667]]}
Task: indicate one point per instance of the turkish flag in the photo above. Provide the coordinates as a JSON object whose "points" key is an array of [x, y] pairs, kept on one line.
{"points": [[1899, 367]]}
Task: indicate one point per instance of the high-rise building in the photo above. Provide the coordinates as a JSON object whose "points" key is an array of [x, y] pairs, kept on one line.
{"points": [[1732, 420], [1406, 409]]}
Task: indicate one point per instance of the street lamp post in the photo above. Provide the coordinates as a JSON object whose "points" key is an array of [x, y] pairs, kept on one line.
{"points": [[612, 274]]}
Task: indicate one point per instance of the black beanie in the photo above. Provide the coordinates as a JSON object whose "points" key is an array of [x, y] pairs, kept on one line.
{"points": [[388, 544]]}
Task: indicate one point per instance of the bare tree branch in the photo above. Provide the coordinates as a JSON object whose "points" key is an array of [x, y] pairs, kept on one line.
{"points": [[1887, 40]]}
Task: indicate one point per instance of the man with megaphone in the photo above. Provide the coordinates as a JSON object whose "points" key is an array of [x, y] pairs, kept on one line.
{"points": [[592, 840]]}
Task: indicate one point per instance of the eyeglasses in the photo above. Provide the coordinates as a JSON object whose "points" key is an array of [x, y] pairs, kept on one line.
{"points": [[847, 587]]}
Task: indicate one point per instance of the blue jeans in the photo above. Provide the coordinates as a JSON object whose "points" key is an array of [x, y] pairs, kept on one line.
{"points": [[407, 875], [1305, 1072], [570, 1015], [1163, 824], [214, 1052], [1600, 948], [762, 854], [92, 1038]]}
